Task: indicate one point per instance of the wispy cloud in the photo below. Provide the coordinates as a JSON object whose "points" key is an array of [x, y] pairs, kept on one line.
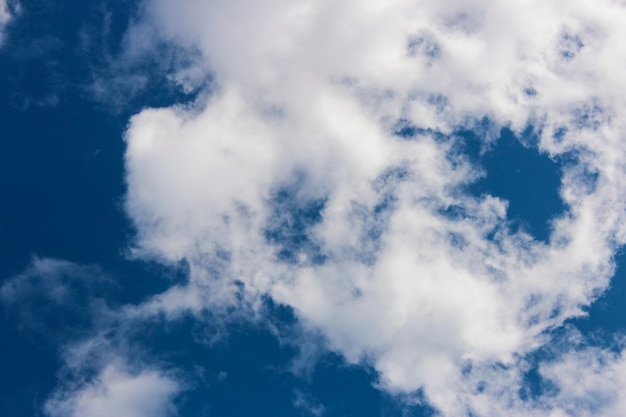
{"points": [[55, 297], [308, 405]]}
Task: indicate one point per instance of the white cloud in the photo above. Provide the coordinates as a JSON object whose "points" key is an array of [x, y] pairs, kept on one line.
{"points": [[310, 93], [589, 382], [118, 392], [4, 12], [5, 17], [577, 381]]}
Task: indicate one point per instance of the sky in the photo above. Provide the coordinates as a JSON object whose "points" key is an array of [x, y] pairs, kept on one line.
{"points": [[312, 208]]}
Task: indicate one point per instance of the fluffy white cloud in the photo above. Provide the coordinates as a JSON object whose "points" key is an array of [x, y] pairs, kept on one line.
{"points": [[307, 96], [118, 392]]}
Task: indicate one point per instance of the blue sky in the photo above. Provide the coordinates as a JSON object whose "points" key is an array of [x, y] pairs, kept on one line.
{"points": [[312, 208]]}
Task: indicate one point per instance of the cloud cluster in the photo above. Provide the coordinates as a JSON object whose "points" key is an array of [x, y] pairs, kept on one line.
{"points": [[323, 171]]}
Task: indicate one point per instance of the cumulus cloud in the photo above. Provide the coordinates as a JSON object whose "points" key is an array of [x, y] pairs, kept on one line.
{"points": [[322, 171], [118, 391]]}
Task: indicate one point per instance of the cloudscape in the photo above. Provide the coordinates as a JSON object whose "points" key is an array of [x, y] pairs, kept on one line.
{"points": [[313, 208]]}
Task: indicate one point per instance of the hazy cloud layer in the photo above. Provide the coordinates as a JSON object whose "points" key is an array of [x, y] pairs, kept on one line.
{"points": [[392, 260]]}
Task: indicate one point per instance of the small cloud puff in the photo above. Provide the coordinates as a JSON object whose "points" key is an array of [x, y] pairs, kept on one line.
{"points": [[116, 391]]}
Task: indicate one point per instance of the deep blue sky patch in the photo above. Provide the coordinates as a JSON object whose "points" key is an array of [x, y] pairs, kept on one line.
{"points": [[529, 181]]}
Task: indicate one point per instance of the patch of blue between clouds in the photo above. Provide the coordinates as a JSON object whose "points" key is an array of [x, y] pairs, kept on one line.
{"points": [[606, 317], [293, 216], [514, 171], [519, 174]]}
